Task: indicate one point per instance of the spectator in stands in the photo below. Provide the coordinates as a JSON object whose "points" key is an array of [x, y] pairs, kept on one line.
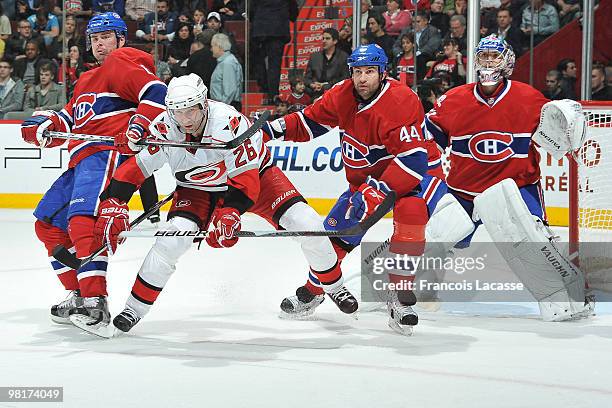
{"points": [[396, 19], [367, 11], [298, 96], [226, 82], [609, 74], [542, 23], [326, 67], [27, 68], [46, 24], [600, 91], [201, 61], [427, 40], [166, 20], [567, 68], [553, 89], [427, 96], [345, 39], [403, 67], [180, 45], [12, 91], [450, 61], [5, 26], [22, 10], [461, 8], [507, 31], [199, 20], [74, 66], [137, 9], [269, 34], [281, 108], [438, 18], [104, 6], [46, 95], [76, 8], [377, 35], [70, 37], [420, 5], [458, 32], [568, 10], [229, 9], [15, 49], [214, 22]]}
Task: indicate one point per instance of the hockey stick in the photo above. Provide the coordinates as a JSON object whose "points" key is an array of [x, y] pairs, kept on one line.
{"points": [[232, 144], [358, 229], [61, 254]]}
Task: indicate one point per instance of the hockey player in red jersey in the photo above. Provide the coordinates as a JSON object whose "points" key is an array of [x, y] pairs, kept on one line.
{"points": [[490, 127], [213, 187], [382, 150], [121, 95]]}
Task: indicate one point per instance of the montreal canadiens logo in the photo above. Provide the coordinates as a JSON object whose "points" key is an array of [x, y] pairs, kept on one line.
{"points": [[491, 147], [84, 109], [354, 153], [202, 175]]}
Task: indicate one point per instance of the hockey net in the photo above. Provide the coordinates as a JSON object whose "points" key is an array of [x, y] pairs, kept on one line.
{"points": [[590, 204]]}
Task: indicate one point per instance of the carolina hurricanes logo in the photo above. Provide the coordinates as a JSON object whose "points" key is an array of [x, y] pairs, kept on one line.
{"points": [[83, 109], [234, 123], [491, 147], [354, 153], [202, 175], [162, 128]]}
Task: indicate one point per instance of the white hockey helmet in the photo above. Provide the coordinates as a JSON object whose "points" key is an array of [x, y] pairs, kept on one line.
{"points": [[184, 92]]}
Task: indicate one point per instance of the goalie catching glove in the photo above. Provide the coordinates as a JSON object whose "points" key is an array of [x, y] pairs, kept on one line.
{"points": [[225, 223], [562, 127], [113, 219], [367, 198]]}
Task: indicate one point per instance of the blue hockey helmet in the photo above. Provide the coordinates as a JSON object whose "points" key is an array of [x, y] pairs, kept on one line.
{"points": [[368, 55], [110, 21], [494, 60]]}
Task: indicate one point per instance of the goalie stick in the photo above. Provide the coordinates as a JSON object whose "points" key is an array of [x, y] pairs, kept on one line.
{"points": [[234, 143], [358, 229], [61, 253]]}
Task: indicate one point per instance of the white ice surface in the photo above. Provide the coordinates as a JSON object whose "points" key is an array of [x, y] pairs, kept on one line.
{"points": [[214, 339]]}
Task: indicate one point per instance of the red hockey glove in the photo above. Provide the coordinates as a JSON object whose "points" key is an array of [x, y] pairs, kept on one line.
{"points": [[367, 198], [225, 223], [138, 129], [34, 127], [113, 219]]}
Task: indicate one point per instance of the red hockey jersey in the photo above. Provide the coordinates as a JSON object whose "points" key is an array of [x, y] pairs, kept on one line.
{"points": [[106, 97], [382, 139], [490, 138]]}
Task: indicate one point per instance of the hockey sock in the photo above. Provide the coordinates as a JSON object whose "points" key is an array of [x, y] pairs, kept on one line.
{"points": [[313, 284], [330, 279], [51, 237], [92, 277]]}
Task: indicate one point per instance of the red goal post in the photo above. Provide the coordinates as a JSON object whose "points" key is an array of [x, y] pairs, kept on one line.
{"points": [[590, 197]]}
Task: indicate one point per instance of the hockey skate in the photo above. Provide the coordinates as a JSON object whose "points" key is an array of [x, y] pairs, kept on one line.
{"points": [[301, 305], [59, 312], [127, 319], [344, 299], [402, 318], [93, 317]]}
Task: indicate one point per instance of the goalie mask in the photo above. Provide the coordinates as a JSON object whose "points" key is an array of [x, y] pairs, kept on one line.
{"points": [[186, 102], [494, 60]]}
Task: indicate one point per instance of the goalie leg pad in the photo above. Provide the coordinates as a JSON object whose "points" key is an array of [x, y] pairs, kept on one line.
{"points": [[525, 243], [448, 225], [159, 265]]}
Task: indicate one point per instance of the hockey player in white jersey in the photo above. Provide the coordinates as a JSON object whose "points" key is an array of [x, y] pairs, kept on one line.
{"points": [[214, 187]]}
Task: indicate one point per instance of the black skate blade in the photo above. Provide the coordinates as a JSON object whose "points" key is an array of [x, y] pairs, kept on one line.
{"points": [[106, 331]]}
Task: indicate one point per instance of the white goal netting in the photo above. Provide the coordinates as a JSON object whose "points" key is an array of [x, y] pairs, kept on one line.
{"points": [[595, 198]]}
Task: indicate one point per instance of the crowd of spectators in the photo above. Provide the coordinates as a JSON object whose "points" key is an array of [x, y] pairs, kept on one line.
{"points": [[426, 44], [43, 51]]}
